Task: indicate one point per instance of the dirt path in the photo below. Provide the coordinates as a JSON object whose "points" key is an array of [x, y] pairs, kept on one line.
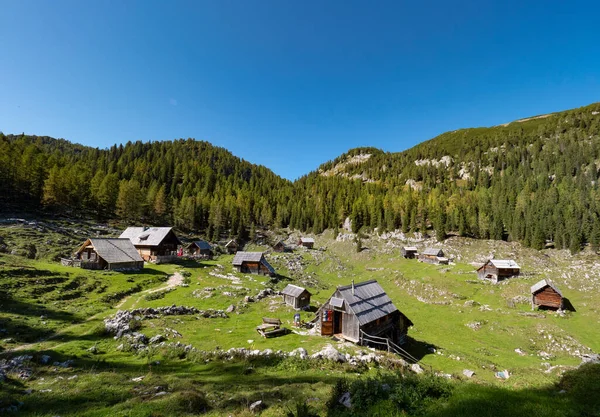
{"points": [[174, 280]]}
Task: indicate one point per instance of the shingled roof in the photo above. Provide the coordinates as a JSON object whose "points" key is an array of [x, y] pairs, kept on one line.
{"points": [[151, 236], [432, 252], [114, 250], [504, 263], [293, 290], [202, 244], [543, 284], [369, 301], [307, 240], [241, 257]]}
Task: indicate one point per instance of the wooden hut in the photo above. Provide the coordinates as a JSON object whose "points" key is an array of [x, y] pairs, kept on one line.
{"points": [[433, 256], [103, 253], [281, 247], [154, 244], [231, 246], [252, 263], [307, 242], [296, 297], [546, 294], [199, 248], [498, 269], [409, 252], [359, 310]]}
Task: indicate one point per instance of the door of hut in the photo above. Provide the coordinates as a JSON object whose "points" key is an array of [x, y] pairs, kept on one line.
{"points": [[337, 322]]}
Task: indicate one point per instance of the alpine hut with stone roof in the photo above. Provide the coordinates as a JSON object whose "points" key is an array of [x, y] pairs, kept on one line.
{"points": [[103, 253], [154, 244], [362, 309], [296, 296], [498, 269], [547, 295], [252, 263], [433, 256]]}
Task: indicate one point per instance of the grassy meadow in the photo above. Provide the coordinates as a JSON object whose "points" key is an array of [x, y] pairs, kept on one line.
{"points": [[459, 323]]}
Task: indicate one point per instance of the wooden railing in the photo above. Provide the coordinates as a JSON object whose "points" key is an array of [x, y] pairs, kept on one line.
{"points": [[389, 345]]}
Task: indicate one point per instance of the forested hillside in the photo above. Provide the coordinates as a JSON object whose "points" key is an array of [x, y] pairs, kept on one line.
{"points": [[533, 180]]}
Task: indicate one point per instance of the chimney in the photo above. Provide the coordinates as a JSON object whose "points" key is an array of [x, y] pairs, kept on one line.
{"points": [[353, 287]]}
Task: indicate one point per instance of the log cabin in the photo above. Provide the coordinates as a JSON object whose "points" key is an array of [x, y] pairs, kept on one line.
{"points": [[358, 309], [433, 256], [296, 296], [497, 270], [307, 242], [252, 263], [199, 248], [547, 295], [154, 244], [111, 254], [409, 252], [281, 247], [230, 246]]}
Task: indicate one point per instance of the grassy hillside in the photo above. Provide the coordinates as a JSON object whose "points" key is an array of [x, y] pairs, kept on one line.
{"points": [[460, 323]]}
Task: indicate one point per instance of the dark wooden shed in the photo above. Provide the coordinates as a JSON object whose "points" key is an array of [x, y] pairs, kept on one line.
{"points": [[546, 294], [364, 308], [252, 263], [296, 296], [497, 270], [409, 252], [307, 242], [199, 248], [433, 256], [281, 247]]}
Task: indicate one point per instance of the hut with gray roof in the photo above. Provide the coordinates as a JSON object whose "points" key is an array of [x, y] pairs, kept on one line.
{"points": [[546, 295], [409, 252], [433, 256], [199, 248], [307, 242], [360, 310], [154, 244], [296, 296], [103, 253], [252, 263], [496, 270]]}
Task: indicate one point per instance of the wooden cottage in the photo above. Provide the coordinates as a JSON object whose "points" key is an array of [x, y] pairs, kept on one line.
{"points": [[307, 242], [199, 248], [547, 295], [154, 244], [409, 252], [281, 247], [252, 263], [230, 246], [498, 269], [360, 310], [433, 256], [102, 253], [296, 297]]}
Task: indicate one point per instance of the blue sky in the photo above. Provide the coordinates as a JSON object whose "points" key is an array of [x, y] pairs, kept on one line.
{"points": [[289, 84]]}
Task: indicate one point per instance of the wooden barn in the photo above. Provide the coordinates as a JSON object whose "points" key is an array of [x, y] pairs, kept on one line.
{"points": [[433, 256], [103, 253], [409, 252], [281, 247], [307, 242], [199, 248], [361, 310], [497, 270], [296, 297], [230, 246], [252, 263], [154, 244], [547, 295]]}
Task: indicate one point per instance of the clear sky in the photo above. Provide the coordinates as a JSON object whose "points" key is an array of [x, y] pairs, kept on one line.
{"points": [[290, 84]]}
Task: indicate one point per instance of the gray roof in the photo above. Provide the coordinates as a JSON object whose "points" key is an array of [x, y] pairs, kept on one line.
{"points": [[151, 236], [432, 252], [293, 290], [369, 301], [116, 250], [410, 248], [202, 244], [543, 284], [504, 263], [241, 257], [307, 240]]}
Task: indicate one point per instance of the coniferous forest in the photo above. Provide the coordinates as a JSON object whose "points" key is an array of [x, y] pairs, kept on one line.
{"points": [[534, 181]]}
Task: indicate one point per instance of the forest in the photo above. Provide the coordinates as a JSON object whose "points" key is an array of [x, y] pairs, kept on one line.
{"points": [[533, 181]]}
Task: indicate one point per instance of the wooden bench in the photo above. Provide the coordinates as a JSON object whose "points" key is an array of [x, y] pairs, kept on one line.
{"points": [[270, 327]]}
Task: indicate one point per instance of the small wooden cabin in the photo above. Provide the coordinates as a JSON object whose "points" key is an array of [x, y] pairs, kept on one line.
{"points": [[409, 252], [497, 270], [433, 256], [281, 247], [252, 263], [296, 297], [199, 248], [154, 244], [307, 242], [364, 308], [231, 246], [103, 253], [546, 294]]}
